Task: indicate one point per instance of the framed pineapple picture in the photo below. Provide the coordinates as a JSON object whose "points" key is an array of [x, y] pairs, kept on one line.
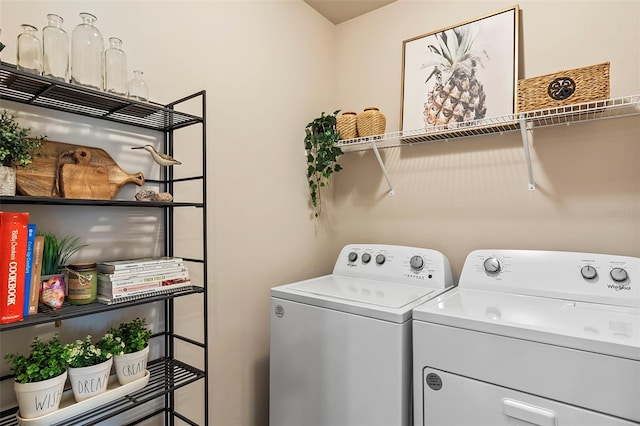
{"points": [[464, 73]]}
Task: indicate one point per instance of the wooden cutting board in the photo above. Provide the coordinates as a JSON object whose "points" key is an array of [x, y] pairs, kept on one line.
{"points": [[42, 179], [83, 180]]}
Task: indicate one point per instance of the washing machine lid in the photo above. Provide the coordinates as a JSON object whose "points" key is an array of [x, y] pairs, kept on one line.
{"points": [[605, 329], [377, 299]]}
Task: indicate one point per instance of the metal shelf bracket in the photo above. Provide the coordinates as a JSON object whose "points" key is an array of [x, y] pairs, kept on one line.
{"points": [[525, 132], [392, 191]]}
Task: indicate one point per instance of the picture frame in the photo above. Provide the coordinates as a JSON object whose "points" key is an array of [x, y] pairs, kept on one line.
{"points": [[464, 73]]}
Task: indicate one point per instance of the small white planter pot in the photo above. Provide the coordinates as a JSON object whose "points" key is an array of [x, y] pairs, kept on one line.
{"points": [[130, 367], [7, 180], [90, 381], [39, 398]]}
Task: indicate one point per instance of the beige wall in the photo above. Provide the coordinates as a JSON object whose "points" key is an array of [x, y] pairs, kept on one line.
{"points": [[269, 67], [472, 193]]}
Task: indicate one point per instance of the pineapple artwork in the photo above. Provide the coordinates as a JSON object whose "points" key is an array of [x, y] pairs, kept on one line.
{"points": [[461, 76], [457, 95]]}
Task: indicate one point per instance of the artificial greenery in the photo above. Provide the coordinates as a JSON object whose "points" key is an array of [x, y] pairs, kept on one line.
{"points": [[16, 147], [322, 154], [57, 251], [46, 360], [84, 353], [134, 335]]}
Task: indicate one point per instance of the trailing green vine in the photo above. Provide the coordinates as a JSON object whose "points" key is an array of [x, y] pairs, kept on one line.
{"points": [[322, 155]]}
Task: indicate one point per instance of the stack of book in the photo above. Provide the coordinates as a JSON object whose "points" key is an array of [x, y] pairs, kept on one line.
{"points": [[125, 280], [20, 265]]}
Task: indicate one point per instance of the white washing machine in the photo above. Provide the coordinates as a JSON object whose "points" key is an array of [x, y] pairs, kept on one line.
{"points": [[341, 343], [531, 337]]}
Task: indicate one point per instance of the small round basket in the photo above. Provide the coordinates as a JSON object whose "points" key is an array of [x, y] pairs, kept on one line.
{"points": [[371, 122], [346, 125]]}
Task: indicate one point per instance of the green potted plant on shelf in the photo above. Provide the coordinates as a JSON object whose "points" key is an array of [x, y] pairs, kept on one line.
{"points": [[56, 253], [16, 150], [39, 377], [90, 365], [320, 142], [134, 336]]}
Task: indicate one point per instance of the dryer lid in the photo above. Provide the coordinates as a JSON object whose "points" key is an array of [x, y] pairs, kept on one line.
{"points": [[599, 328]]}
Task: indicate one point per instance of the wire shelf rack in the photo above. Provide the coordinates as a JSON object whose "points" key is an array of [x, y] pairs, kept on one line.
{"points": [[26, 88], [610, 108]]}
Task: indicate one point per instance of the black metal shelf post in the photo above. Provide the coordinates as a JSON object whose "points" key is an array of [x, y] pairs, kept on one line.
{"points": [[166, 373]]}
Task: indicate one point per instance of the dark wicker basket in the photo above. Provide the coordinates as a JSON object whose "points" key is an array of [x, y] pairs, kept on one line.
{"points": [[563, 88]]}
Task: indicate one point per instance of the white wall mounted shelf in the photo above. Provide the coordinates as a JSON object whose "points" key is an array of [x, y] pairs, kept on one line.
{"points": [[524, 122]]}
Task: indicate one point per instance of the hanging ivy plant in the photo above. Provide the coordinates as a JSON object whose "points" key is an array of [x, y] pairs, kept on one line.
{"points": [[322, 155]]}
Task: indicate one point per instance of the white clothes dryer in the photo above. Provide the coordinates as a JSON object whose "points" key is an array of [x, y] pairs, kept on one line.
{"points": [[531, 338], [341, 343]]}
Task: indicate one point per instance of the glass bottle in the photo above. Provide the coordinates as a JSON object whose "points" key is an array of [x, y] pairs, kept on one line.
{"points": [[29, 50], [55, 48], [115, 68], [137, 89], [87, 51]]}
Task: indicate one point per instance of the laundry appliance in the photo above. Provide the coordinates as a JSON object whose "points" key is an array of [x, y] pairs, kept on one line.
{"points": [[531, 337], [341, 343]]}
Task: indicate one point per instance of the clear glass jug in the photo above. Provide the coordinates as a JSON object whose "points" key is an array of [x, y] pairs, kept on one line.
{"points": [[115, 68], [87, 51], [137, 89], [55, 47], [29, 50]]}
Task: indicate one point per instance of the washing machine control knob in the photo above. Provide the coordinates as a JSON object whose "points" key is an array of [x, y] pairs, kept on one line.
{"points": [[366, 258], [588, 272], [417, 262], [353, 256], [492, 265], [380, 259], [618, 275]]}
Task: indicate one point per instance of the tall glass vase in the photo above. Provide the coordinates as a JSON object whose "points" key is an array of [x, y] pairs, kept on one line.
{"points": [[55, 44], [29, 50], [87, 51], [115, 68]]}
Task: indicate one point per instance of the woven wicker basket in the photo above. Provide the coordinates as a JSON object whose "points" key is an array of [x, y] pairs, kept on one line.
{"points": [[371, 122], [564, 88], [346, 125]]}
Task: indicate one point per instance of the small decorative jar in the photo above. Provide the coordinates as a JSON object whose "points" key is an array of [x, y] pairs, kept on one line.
{"points": [[371, 122], [55, 49], [82, 283], [137, 88], [29, 50], [346, 125]]}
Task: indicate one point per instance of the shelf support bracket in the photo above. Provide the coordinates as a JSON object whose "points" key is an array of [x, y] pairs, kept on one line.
{"points": [[524, 132], [392, 191]]}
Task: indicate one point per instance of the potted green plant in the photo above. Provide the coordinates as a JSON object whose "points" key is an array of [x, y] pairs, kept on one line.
{"points": [[56, 253], [39, 377], [134, 335], [90, 365], [16, 150], [320, 142]]}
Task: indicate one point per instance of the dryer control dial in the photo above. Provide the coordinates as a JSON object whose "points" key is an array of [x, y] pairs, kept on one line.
{"points": [[588, 272], [619, 275], [353, 256], [492, 265], [380, 259], [417, 262], [366, 258]]}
